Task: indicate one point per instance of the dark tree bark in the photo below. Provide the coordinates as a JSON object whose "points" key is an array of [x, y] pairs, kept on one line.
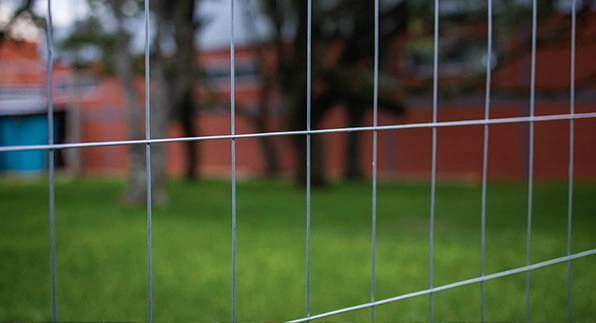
{"points": [[295, 75], [321, 103], [187, 117], [180, 16], [260, 119], [260, 122], [353, 170]]}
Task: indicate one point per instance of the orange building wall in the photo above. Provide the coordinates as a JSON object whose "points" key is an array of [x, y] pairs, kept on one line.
{"points": [[404, 153]]}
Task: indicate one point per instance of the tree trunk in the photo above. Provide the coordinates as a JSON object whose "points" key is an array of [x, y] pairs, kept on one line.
{"points": [[268, 147], [297, 120], [317, 169], [352, 163], [159, 128], [186, 117], [182, 81], [135, 191], [73, 122], [296, 92], [260, 122]]}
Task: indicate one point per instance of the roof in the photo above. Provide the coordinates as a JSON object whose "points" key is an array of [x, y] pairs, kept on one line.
{"points": [[22, 77], [20, 63]]}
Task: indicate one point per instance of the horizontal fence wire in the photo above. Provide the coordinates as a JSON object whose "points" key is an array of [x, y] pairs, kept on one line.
{"points": [[440, 124], [460, 283]]}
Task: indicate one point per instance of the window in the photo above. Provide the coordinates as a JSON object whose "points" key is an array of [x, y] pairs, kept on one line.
{"points": [[457, 59]]}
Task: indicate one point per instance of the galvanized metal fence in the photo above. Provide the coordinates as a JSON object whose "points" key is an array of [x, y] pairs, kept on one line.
{"points": [[531, 119]]}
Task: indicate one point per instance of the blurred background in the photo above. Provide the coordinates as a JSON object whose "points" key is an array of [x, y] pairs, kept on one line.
{"points": [[98, 90]]}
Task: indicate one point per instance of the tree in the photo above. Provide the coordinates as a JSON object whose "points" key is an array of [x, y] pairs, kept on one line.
{"points": [[117, 46], [342, 42], [260, 117], [136, 189], [178, 17], [172, 91], [23, 14], [342, 53], [172, 82], [465, 23], [173, 75]]}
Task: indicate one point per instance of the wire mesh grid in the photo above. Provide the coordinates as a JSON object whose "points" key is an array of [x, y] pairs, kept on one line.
{"points": [[531, 119]]}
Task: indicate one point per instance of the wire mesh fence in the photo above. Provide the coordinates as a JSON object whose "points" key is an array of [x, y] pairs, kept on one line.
{"points": [[531, 119]]}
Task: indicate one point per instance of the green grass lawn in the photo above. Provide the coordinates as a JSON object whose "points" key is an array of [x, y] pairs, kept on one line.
{"points": [[102, 252]]}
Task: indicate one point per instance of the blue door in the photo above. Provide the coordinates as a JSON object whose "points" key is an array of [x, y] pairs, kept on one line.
{"points": [[21, 131]]}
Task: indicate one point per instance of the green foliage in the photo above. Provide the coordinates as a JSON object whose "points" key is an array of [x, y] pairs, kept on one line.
{"points": [[90, 36], [94, 40], [102, 251]]}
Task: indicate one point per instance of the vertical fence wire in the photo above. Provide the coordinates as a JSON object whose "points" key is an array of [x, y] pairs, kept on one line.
{"points": [[51, 153], [148, 167], [571, 154], [374, 158], [434, 157], [233, 152], [531, 156], [489, 50], [308, 148]]}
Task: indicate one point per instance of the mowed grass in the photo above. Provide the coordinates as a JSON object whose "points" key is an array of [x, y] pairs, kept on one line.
{"points": [[101, 249]]}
